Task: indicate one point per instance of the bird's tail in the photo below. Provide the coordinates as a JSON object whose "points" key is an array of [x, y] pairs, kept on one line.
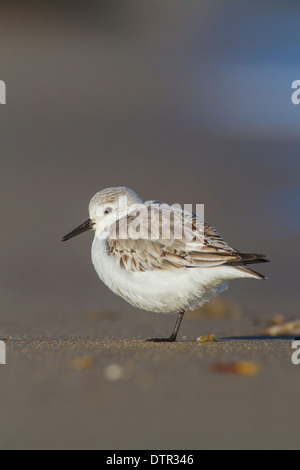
{"points": [[250, 258]]}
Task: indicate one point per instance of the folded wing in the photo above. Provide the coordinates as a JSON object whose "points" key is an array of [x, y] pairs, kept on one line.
{"points": [[181, 240]]}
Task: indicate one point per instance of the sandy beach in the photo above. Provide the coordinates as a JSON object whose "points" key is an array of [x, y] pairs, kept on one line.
{"points": [[92, 393]]}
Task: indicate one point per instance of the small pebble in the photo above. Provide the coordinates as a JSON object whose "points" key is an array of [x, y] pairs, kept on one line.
{"points": [[114, 372], [238, 367], [204, 339], [84, 362]]}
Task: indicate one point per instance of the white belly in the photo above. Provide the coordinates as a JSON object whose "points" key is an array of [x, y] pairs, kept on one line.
{"points": [[161, 291]]}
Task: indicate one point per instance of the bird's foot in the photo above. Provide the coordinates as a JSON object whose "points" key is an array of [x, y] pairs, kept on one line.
{"points": [[162, 340]]}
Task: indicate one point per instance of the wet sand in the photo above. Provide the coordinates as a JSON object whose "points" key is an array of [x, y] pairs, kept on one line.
{"points": [[92, 393]]}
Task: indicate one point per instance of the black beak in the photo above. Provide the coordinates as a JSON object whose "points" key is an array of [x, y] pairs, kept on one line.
{"points": [[87, 225]]}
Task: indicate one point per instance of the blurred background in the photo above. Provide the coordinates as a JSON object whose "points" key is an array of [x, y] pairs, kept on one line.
{"points": [[183, 101]]}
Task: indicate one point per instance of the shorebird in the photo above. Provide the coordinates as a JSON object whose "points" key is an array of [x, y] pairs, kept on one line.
{"points": [[155, 272]]}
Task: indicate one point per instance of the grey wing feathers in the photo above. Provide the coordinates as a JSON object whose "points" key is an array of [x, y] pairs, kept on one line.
{"points": [[201, 247], [250, 258]]}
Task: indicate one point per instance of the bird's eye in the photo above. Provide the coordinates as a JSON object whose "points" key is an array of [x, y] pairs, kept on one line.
{"points": [[107, 210]]}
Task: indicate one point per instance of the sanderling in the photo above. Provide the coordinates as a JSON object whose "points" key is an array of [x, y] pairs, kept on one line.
{"points": [[153, 272]]}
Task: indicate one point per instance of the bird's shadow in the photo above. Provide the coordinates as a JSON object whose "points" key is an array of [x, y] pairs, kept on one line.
{"points": [[258, 337]]}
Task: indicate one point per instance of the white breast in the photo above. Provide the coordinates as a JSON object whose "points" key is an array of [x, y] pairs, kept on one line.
{"points": [[162, 291]]}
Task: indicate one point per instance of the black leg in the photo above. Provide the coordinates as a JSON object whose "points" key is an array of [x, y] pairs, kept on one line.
{"points": [[174, 334]]}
